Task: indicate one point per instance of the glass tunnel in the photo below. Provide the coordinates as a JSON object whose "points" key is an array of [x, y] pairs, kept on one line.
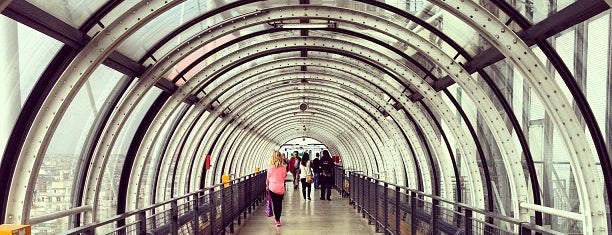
{"points": [[112, 106]]}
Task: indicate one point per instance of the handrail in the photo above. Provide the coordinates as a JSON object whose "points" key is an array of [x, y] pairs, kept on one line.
{"points": [[395, 209], [214, 188], [462, 205]]}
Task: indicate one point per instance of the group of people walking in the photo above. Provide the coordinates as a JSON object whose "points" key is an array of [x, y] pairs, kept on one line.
{"points": [[305, 171]]}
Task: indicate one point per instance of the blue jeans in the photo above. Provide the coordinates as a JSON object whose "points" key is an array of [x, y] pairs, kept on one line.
{"points": [[316, 180]]}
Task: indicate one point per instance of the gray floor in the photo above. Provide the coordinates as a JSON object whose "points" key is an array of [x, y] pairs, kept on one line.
{"points": [[301, 216]]}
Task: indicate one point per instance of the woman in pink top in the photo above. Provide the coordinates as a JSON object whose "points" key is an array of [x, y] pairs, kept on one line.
{"points": [[275, 183]]}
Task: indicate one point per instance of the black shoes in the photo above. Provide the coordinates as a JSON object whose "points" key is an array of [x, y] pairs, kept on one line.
{"points": [[329, 199]]}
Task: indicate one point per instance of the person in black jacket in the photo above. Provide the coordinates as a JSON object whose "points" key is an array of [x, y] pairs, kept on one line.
{"points": [[326, 175], [316, 170]]}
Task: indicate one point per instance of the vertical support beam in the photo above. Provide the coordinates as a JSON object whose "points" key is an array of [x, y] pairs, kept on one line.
{"points": [[397, 210], [374, 199], [213, 209], [142, 223], [467, 221], [413, 209], [196, 213], [174, 220], [435, 214], [386, 209], [232, 209]]}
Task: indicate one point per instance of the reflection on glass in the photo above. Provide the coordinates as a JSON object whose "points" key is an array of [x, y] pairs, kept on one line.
{"points": [[59, 169]]}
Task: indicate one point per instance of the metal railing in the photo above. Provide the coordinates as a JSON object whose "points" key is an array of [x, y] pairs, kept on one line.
{"points": [[208, 211], [395, 209]]}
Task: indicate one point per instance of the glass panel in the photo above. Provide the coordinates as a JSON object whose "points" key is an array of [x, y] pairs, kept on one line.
{"points": [[597, 80], [597, 67], [123, 7], [107, 206], [536, 11], [23, 58], [138, 44], [73, 12], [53, 191]]}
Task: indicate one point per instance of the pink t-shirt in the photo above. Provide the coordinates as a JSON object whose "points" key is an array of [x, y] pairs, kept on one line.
{"points": [[276, 179]]}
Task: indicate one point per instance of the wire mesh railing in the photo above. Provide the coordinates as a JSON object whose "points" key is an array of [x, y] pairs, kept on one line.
{"points": [[394, 209], [208, 211]]}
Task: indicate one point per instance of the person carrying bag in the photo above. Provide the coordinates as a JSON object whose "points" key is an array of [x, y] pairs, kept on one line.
{"points": [[305, 172], [275, 183]]}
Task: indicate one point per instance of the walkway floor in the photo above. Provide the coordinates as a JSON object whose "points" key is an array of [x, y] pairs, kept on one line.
{"points": [[301, 216]]}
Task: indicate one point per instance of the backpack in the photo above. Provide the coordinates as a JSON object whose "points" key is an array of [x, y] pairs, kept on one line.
{"points": [[326, 168]]}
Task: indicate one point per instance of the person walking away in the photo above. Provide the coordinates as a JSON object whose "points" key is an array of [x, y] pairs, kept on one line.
{"points": [[275, 183], [316, 169], [326, 176], [304, 171], [294, 168]]}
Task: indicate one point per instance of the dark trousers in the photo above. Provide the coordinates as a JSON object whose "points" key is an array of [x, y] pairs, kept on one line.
{"points": [[305, 185], [317, 184], [326, 185], [277, 204]]}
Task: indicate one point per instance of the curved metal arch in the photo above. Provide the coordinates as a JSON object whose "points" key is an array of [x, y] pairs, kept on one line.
{"points": [[185, 161], [152, 181], [261, 160], [510, 45], [299, 96], [215, 93], [341, 141], [253, 160], [271, 108], [279, 129], [229, 165], [332, 118], [64, 91], [346, 81], [353, 154]]}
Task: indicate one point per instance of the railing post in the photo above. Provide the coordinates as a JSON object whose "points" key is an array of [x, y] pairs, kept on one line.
{"points": [[467, 221], [174, 221], [397, 210], [142, 222], [435, 214], [386, 208], [231, 209], [213, 210], [363, 196], [250, 195], [369, 207], [524, 230], [413, 219], [196, 213], [374, 199]]}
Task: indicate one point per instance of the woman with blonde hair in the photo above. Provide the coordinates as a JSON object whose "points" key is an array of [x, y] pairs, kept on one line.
{"points": [[275, 183]]}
